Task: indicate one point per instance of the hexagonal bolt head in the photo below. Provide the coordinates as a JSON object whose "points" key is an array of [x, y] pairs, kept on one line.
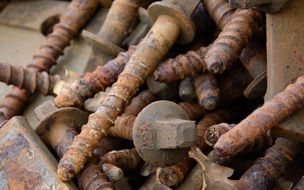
{"points": [[175, 133]]}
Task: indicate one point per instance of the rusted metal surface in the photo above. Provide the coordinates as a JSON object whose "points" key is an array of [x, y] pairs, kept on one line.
{"points": [[274, 111], [186, 90], [285, 61], [25, 161], [58, 127], [193, 110], [127, 159], [106, 44], [254, 59], [114, 173], [74, 17], [268, 6], [162, 133], [26, 79], [266, 170], [171, 22], [92, 82], [207, 91], [231, 41]]}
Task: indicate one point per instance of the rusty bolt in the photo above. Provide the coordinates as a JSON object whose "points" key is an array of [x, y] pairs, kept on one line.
{"points": [[174, 15], [254, 59], [71, 21], [231, 41], [127, 159], [142, 28], [92, 178], [93, 82], [266, 170], [27, 79], [186, 90], [118, 20], [187, 65], [114, 173], [207, 91], [173, 175], [214, 132], [262, 119], [162, 133], [108, 144], [58, 127]]}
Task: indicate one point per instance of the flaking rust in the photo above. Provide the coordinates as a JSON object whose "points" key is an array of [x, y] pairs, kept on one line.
{"points": [[93, 82], [27, 79], [71, 21], [142, 63], [262, 119], [25, 161]]}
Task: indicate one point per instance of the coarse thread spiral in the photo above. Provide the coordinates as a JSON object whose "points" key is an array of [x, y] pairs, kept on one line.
{"points": [[141, 64], [220, 11], [127, 159], [71, 21], [26, 79], [91, 178], [262, 119], [93, 82], [232, 40], [173, 175], [182, 66], [123, 127], [266, 170]]}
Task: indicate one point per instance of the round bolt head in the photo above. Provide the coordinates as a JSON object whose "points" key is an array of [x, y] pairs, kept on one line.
{"points": [[146, 133]]}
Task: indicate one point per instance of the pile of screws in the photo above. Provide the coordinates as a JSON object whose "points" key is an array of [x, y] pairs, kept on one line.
{"points": [[155, 114]]}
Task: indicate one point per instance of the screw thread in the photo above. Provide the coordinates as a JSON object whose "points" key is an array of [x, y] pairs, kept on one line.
{"points": [[262, 119], [182, 66], [232, 40], [93, 82]]}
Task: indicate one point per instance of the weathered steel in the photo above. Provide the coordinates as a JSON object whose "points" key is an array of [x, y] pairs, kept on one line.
{"points": [[25, 161]]}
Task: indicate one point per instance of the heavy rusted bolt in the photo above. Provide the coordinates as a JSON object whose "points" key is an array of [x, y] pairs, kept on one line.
{"points": [[162, 133], [57, 127], [106, 44], [142, 28], [186, 90]]}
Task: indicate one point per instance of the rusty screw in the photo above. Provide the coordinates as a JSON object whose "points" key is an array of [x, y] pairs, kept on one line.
{"points": [[93, 82], [266, 170], [71, 21], [192, 62], [127, 159], [58, 127], [174, 15], [193, 110], [207, 91], [118, 20], [186, 90], [231, 41], [262, 119], [28, 80], [268, 6]]}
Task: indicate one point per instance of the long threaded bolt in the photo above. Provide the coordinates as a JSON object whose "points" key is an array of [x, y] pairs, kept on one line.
{"points": [[114, 173], [28, 80], [186, 65], [266, 170], [262, 119], [220, 11], [93, 82], [108, 144], [71, 21], [207, 91], [127, 159], [141, 64], [232, 40], [172, 176]]}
